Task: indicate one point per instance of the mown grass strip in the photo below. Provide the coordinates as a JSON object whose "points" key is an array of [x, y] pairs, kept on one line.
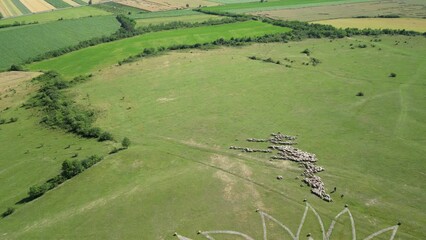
{"points": [[21, 7], [94, 58]]}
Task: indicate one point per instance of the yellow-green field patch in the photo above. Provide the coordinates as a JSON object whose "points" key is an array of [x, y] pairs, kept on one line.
{"points": [[8, 9], [413, 24]]}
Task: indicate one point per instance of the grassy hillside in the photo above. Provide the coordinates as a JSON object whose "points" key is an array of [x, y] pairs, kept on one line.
{"points": [[22, 43], [182, 111], [94, 58], [70, 13]]}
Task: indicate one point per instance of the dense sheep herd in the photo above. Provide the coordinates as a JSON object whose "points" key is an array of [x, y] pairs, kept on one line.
{"points": [[282, 144]]}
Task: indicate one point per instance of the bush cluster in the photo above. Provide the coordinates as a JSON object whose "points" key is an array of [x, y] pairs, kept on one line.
{"points": [[61, 112], [70, 169]]}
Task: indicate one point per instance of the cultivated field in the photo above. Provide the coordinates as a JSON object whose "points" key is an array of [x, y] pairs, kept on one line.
{"points": [[19, 44], [403, 8], [274, 5], [164, 20], [58, 3], [95, 58], [70, 13], [163, 5], [8, 9], [414, 24], [37, 5], [183, 110], [160, 14]]}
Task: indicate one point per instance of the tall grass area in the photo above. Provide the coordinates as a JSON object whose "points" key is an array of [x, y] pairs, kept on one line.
{"points": [[183, 111], [22, 43], [95, 58]]}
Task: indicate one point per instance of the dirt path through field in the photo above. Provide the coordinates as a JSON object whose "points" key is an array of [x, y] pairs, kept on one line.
{"points": [[37, 5]]}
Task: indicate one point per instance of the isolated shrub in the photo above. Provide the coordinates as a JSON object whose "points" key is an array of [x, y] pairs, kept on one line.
{"points": [[125, 143], [36, 191], [13, 119], [307, 52], [16, 68], [105, 136], [360, 94], [8, 212], [71, 168], [114, 150], [2, 121], [392, 75]]}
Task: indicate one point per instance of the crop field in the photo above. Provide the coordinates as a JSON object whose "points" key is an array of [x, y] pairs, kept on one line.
{"points": [[117, 8], [163, 5], [403, 8], [37, 5], [70, 13], [274, 5], [58, 3], [164, 20], [95, 58], [9, 8], [414, 24], [183, 110], [171, 13], [19, 44]]}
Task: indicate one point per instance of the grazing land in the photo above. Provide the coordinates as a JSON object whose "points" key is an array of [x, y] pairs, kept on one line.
{"points": [[274, 5], [98, 57], [413, 24], [183, 110], [188, 18], [20, 44], [402, 8], [70, 13]]}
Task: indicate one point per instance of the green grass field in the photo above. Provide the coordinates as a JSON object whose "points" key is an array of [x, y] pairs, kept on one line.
{"points": [[273, 5], [164, 20], [22, 43], [183, 110], [95, 58], [70, 13]]}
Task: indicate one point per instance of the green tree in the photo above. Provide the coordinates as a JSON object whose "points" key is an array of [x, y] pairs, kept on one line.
{"points": [[125, 143], [8, 211]]}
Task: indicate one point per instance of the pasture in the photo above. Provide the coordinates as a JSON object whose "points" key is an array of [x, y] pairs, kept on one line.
{"points": [[413, 24], [164, 20], [274, 5], [98, 57], [402, 8], [69, 13], [22, 43], [183, 110]]}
